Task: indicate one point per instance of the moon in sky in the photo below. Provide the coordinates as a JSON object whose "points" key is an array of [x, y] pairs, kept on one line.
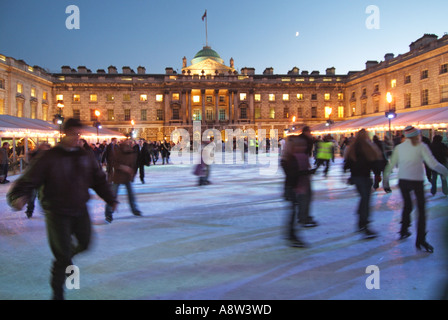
{"points": [[297, 33]]}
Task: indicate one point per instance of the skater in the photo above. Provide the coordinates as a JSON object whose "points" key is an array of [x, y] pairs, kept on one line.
{"points": [[296, 165], [410, 157], [65, 173], [124, 171], [361, 156], [4, 161], [440, 152]]}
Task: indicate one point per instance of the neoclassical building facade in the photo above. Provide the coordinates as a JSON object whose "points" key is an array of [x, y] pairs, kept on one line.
{"points": [[208, 90]]}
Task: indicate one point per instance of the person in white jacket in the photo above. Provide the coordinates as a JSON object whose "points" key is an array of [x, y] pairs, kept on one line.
{"points": [[410, 157]]}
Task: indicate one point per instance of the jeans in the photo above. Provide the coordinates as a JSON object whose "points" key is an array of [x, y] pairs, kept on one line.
{"points": [[364, 188], [60, 229], [300, 207], [406, 186], [434, 176], [131, 198]]}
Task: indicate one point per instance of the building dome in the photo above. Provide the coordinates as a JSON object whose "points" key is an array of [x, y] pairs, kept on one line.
{"points": [[207, 53]]}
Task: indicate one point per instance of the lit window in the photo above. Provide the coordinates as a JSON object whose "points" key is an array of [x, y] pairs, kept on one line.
{"points": [[271, 97], [143, 97], [33, 92], [257, 97], [340, 112], [76, 98], [285, 97], [272, 113], [328, 111], [159, 97], [110, 115], [44, 95], [197, 114], [196, 99], [327, 96], [59, 97], [393, 83], [93, 98], [243, 96], [300, 96], [340, 96], [175, 96], [45, 112], [19, 88]]}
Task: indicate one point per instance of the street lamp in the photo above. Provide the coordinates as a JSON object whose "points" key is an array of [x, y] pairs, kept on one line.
{"points": [[58, 118], [97, 124], [391, 113], [132, 135]]}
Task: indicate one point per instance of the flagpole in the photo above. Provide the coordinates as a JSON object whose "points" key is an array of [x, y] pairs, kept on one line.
{"points": [[206, 36]]}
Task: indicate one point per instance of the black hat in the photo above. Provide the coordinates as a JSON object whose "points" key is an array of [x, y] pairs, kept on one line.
{"points": [[72, 123]]}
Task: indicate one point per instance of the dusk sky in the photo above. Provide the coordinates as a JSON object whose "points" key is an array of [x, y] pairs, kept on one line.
{"points": [[310, 35]]}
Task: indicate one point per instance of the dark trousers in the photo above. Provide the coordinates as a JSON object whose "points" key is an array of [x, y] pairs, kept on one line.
{"points": [[364, 188], [3, 171], [141, 169], [31, 202], [131, 198], [406, 186], [434, 176], [300, 210], [60, 230], [325, 162]]}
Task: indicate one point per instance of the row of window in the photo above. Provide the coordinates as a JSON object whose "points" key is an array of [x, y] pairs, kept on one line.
{"points": [[196, 98]]}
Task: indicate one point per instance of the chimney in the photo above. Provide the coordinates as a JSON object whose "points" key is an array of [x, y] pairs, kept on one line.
{"points": [[141, 70], [315, 73], [82, 69], [169, 70], [423, 41], [294, 71], [126, 70], [305, 73], [388, 56], [112, 69], [66, 69], [268, 71], [331, 71], [248, 71], [371, 63]]}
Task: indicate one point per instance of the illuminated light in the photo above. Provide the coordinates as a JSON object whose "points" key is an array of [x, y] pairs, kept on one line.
{"points": [[297, 33], [132, 122], [389, 97], [97, 113], [294, 119]]}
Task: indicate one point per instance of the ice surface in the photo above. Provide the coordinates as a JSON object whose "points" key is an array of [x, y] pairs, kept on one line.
{"points": [[225, 241]]}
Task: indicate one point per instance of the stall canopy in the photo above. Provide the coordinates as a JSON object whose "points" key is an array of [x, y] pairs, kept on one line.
{"points": [[17, 127], [436, 118]]}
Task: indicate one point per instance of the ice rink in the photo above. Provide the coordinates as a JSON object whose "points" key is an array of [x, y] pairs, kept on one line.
{"points": [[225, 241]]}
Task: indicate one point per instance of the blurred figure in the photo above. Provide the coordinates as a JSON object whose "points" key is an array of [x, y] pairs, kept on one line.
{"points": [[202, 170], [381, 165], [440, 152], [108, 158], [4, 162], [410, 157], [30, 205], [361, 157], [306, 135], [124, 171], [65, 173], [325, 152], [296, 165], [165, 151], [143, 158]]}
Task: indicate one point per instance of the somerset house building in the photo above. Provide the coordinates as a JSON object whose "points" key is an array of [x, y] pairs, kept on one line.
{"points": [[210, 90]]}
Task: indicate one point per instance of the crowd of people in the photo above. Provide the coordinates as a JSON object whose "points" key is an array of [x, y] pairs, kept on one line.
{"points": [[369, 162], [60, 177]]}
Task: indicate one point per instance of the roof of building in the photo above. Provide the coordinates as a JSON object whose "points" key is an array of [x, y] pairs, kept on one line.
{"points": [[207, 53]]}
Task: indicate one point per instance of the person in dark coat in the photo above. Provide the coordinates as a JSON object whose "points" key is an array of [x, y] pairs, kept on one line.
{"points": [[65, 173], [165, 150], [31, 202], [440, 152], [124, 171], [380, 166], [108, 158], [143, 158]]}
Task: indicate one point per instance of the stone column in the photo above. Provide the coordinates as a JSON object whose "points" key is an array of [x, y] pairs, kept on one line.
{"points": [[251, 106], [235, 106], [184, 106], [167, 112], [203, 105], [230, 115], [216, 106], [190, 115]]}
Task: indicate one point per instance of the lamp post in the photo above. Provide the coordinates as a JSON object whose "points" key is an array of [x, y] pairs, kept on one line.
{"points": [[132, 131], [391, 113], [97, 124], [58, 118]]}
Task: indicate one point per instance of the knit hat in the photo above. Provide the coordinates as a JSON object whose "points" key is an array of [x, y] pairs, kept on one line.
{"points": [[410, 132]]}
